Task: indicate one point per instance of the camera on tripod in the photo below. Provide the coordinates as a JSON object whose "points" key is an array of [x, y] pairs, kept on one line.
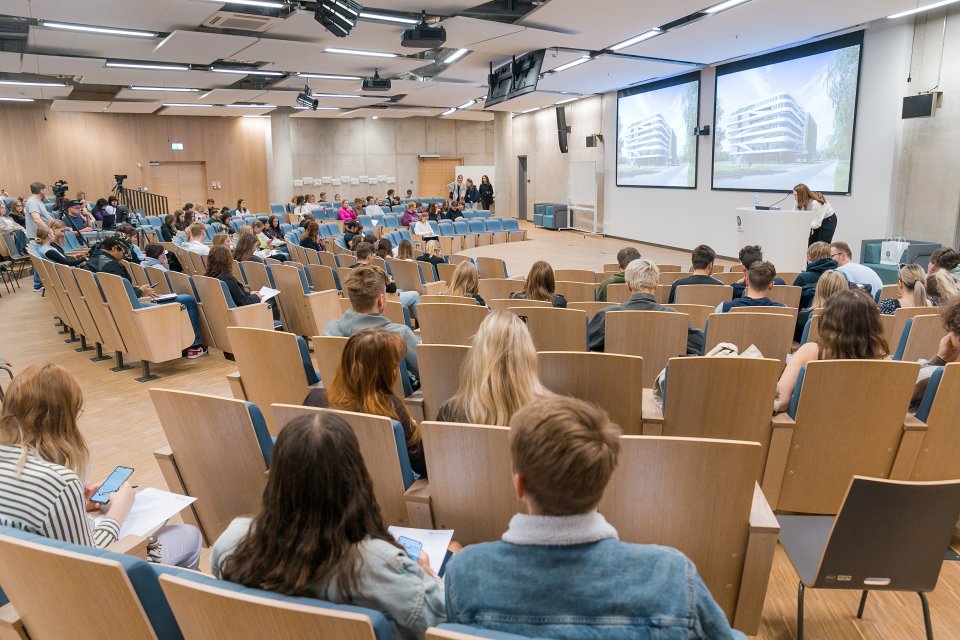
{"points": [[59, 188], [118, 189]]}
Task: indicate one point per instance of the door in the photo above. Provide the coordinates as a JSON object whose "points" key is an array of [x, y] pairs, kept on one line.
{"points": [[180, 182], [522, 188], [436, 174]]}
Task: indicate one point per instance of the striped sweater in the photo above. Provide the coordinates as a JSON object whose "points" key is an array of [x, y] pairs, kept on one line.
{"points": [[47, 499]]}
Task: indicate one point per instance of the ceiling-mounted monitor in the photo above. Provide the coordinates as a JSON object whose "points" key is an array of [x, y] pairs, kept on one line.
{"points": [[516, 78]]}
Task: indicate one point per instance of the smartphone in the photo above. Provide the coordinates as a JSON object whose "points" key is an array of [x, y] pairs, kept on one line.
{"points": [[412, 547], [111, 484]]}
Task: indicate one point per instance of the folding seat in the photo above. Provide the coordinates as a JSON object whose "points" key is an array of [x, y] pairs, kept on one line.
{"points": [[495, 226], [366, 221], [493, 268], [555, 329], [771, 333], [920, 338], [409, 278], [469, 214], [221, 311], [211, 231], [306, 312], [478, 228], [514, 232], [277, 209], [462, 229], [449, 323]]}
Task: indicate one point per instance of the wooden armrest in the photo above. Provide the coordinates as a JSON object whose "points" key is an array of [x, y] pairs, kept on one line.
{"points": [[761, 515], [419, 491], [11, 625], [782, 420], [414, 405], [434, 288], [649, 410], [912, 423], [256, 316], [130, 545], [236, 385], [163, 453], [419, 506]]}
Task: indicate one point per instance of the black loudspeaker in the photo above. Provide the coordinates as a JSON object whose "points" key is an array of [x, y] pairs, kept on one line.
{"points": [[591, 141], [562, 129], [921, 106]]}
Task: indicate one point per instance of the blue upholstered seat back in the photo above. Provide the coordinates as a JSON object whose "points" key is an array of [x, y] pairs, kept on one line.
{"points": [[923, 412]]}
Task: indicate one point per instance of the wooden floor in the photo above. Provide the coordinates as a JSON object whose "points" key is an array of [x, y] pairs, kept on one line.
{"points": [[122, 427]]}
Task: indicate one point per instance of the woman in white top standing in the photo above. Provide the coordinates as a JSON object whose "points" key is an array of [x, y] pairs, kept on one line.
{"points": [[824, 224]]}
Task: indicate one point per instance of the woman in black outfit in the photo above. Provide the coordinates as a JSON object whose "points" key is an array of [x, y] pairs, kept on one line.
{"points": [[220, 266], [486, 193], [272, 230], [53, 251], [169, 230], [432, 253], [311, 238]]}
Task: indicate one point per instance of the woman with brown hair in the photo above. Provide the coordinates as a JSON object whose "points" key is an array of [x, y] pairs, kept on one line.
{"points": [[384, 248], [44, 459], [849, 329], [272, 230], [220, 266], [911, 291], [466, 282], [311, 238], [541, 285], [321, 534], [364, 383], [405, 250], [244, 251], [825, 224]]}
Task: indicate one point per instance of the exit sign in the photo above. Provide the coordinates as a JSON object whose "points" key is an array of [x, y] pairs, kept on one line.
{"points": [[176, 146]]}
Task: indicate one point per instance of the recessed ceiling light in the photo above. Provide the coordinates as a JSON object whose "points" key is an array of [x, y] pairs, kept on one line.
{"points": [[449, 111], [360, 52], [32, 83], [723, 6], [375, 118], [17, 99], [530, 110], [571, 65], [173, 89], [566, 101], [148, 65], [467, 104], [381, 16], [646, 35], [136, 33], [249, 105], [456, 55], [925, 7], [246, 72], [317, 109], [327, 76], [337, 95], [188, 104]]}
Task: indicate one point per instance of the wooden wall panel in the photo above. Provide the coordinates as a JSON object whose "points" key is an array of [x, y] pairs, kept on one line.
{"points": [[87, 149]]}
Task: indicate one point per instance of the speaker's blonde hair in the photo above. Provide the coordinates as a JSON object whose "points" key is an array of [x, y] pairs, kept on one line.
{"points": [[499, 376]]}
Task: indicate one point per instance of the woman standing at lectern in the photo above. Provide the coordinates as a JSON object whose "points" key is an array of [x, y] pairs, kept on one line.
{"points": [[823, 226]]}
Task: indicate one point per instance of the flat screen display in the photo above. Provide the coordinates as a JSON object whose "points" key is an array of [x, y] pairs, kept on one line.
{"points": [[655, 142], [788, 118]]}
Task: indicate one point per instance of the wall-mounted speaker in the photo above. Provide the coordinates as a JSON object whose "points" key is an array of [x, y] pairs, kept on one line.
{"points": [[562, 129]]}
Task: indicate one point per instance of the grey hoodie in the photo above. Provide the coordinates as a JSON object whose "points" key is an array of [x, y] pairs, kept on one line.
{"points": [[351, 322]]}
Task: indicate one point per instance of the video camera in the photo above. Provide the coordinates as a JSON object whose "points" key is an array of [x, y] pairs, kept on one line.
{"points": [[118, 189], [59, 188]]}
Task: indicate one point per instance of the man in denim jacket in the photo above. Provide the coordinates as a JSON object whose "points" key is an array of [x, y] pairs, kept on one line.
{"points": [[561, 572]]}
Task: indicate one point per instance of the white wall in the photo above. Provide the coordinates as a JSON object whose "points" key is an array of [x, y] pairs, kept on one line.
{"points": [[686, 218]]}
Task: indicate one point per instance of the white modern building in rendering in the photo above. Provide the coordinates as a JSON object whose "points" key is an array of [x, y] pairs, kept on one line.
{"points": [[649, 141], [775, 129]]}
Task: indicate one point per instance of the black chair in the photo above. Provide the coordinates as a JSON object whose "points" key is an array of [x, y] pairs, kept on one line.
{"points": [[888, 536]]}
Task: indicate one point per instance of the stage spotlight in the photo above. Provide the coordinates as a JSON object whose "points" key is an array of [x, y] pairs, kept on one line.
{"points": [[338, 16], [307, 100]]}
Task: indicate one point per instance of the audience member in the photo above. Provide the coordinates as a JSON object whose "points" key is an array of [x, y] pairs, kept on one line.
{"points": [[219, 240], [36, 213], [18, 214], [942, 287], [11, 226], [301, 208], [541, 285], [945, 259], [911, 291], [273, 230], [405, 250], [366, 256], [410, 215], [499, 375], [624, 257], [372, 208], [364, 383], [196, 233], [311, 238], [305, 220], [168, 230], [642, 276], [849, 329], [241, 209], [855, 272], [366, 286], [828, 284], [559, 569], [350, 230], [156, 257], [99, 210], [432, 253], [44, 459], [346, 212], [127, 236], [385, 249], [465, 282], [818, 263], [220, 266], [245, 249], [948, 350], [75, 216], [749, 255], [702, 259], [320, 533], [50, 249], [760, 277]]}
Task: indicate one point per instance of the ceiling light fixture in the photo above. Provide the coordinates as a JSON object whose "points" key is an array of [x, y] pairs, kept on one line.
{"points": [[135, 33], [250, 105], [190, 105], [566, 101], [337, 95], [338, 17], [148, 65], [449, 111], [723, 6], [246, 72], [254, 3], [32, 83], [367, 15], [571, 65], [17, 100], [304, 108], [467, 104], [360, 52], [173, 89], [530, 110], [375, 118], [925, 7], [327, 76], [456, 55], [646, 35]]}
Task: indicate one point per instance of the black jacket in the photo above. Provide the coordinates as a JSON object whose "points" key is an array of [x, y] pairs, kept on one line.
{"points": [[54, 253], [809, 278], [472, 195], [596, 330], [695, 279], [102, 262], [167, 233], [486, 194], [240, 296]]}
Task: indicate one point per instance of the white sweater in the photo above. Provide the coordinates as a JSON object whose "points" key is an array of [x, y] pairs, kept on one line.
{"points": [[822, 212]]}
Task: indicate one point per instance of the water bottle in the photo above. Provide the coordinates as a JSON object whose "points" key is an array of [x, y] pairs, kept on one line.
{"points": [[756, 200]]}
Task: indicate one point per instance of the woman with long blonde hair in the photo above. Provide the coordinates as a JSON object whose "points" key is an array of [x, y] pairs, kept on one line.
{"points": [[364, 383], [823, 226], [942, 288], [466, 282], [828, 284], [911, 291], [541, 285], [44, 459], [499, 375]]}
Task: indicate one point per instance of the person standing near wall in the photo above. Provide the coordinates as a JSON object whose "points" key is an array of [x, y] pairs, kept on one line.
{"points": [[824, 224], [486, 194]]}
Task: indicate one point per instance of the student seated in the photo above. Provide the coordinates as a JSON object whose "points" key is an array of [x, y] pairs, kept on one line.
{"points": [[44, 459], [366, 286], [366, 256], [311, 238], [372, 208], [849, 329], [106, 259], [911, 291], [350, 231], [127, 236], [52, 250], [499, 375], [642, 276], [749, 255], [320, 533], [541, 285], [760, 277], [76, 216], [196, 234], [364, 384], [405, 250], [559, 570], [156, 257], [624, 257], [168, 230], [945, 259], [385, 249], [702, 259], [432, 253], [220, 266], [855, 272], [410, 215], [818, 263], [346, 212], [827, 285], [273, 231], [942, 288], [466, 283], [947, 351]]}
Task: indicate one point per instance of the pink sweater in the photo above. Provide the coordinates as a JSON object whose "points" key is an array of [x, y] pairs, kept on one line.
{"points": [[347, 214]]}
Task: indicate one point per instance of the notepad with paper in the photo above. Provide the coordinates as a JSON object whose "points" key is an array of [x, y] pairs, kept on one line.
{"points": [[266, 293], [151, 509], [435, 542]]}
